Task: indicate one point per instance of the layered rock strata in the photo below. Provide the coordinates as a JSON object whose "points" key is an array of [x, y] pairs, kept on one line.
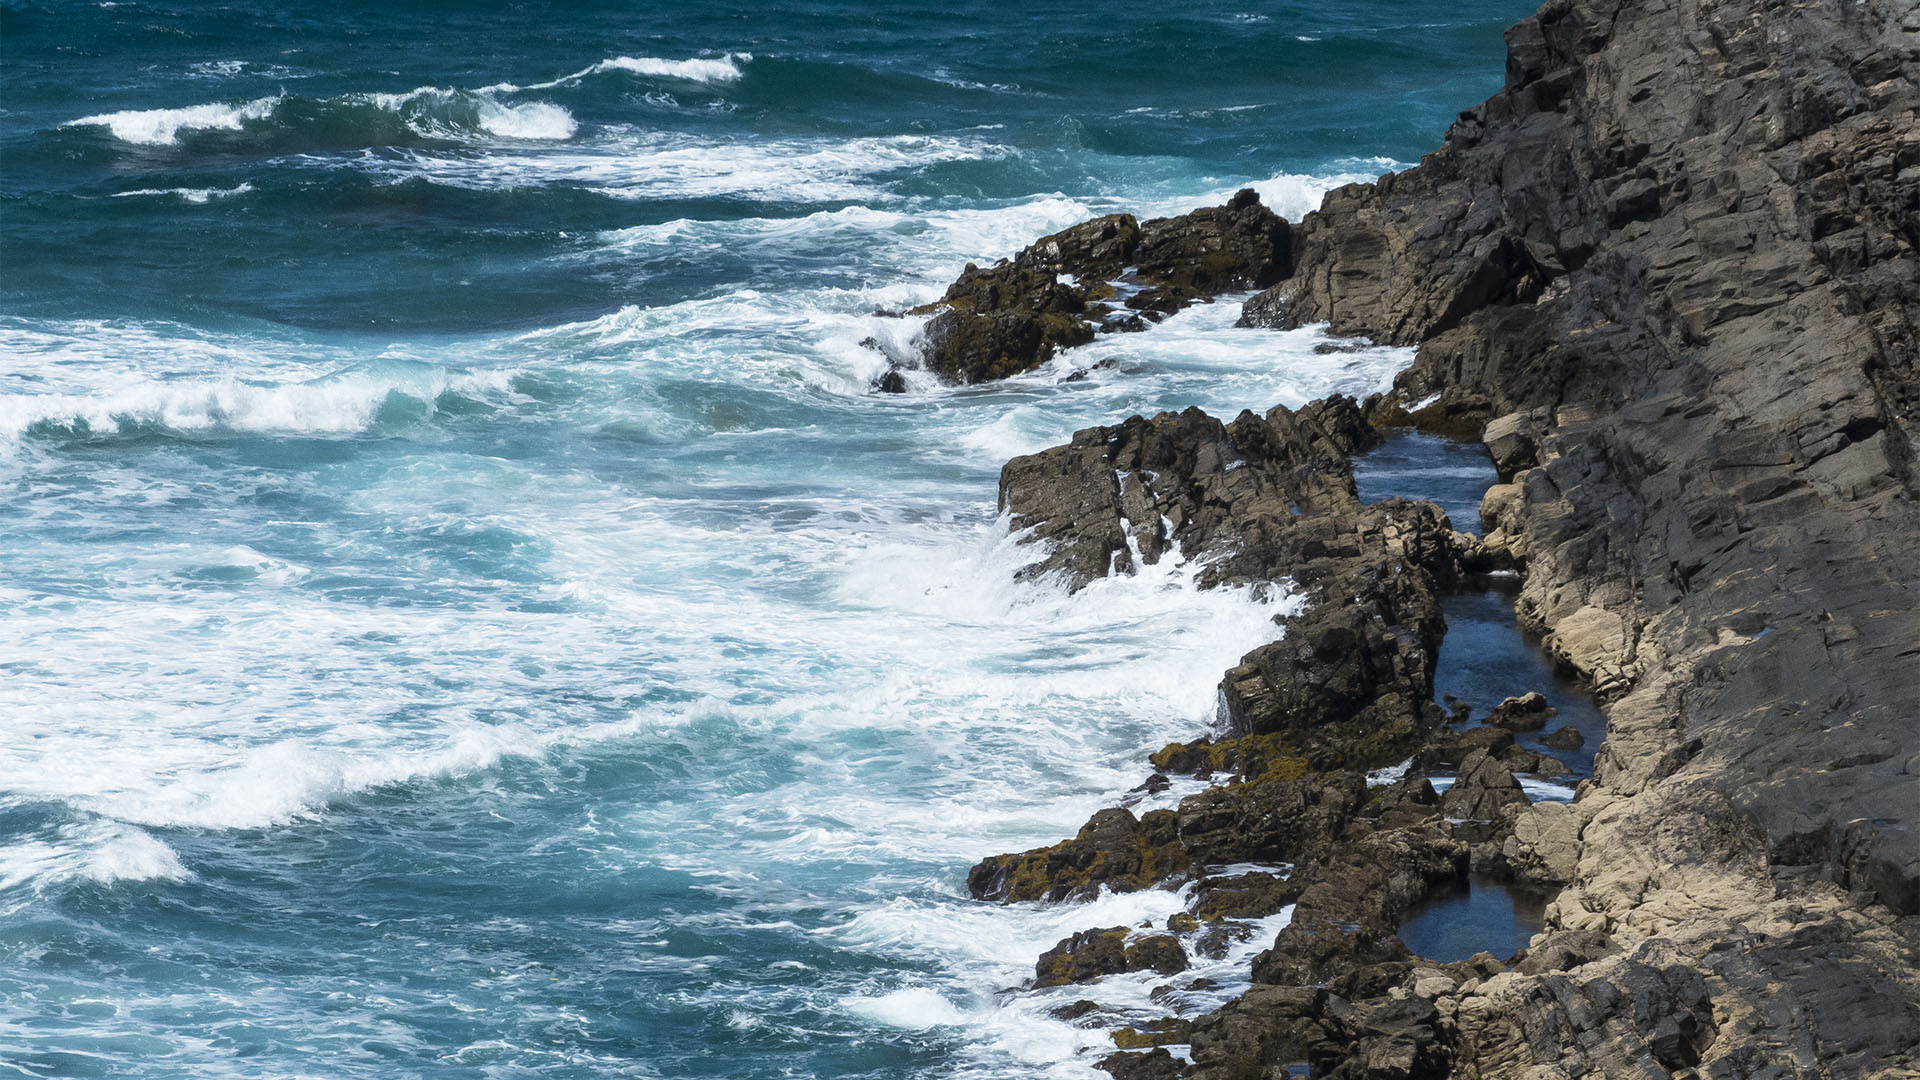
{"points": [[1668, 276]]}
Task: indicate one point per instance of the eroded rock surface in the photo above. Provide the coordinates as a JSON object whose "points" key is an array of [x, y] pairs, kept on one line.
{"points": [[1668, 274], [1111, 273]]}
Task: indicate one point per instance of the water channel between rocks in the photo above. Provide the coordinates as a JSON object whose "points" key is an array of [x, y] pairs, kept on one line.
{"points": [[1484, 659]]}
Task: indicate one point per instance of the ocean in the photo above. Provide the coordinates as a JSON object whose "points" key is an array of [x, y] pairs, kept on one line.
{"points": [[465, 611]]}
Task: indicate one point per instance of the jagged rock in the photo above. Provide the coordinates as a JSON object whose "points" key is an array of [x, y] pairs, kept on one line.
{"points": [[1528, 712], [1387, 1037], [1268, 1024], [1113, 849], [1165, 1031], [1564, 737], [1144, 487], [1352, 903], [1513, 442], [1453, 747], [1680, 242], [1084, 957], [1669, 275], [1156, 1064], [1014, 316], [1002, 321], [1241, 245], [1075, 1010], [1267, 822], [1091, 954], [1248, 757], [890, 382], [1562, 950], [1243, 896], [1485, 788], [1410, 800]]}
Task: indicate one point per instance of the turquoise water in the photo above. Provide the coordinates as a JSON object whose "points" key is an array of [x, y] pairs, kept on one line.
{"points": [[465, 612]]}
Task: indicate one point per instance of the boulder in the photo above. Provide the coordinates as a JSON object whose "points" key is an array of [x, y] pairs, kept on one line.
{"points": [[1528, 712], [1113, 849], [1156, 1064], [1564, 737], [1091, 954], [1008, 318], [1484, 789], [1271, 822]]}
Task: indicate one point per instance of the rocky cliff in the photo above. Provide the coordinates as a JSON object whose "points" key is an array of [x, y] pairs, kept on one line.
{"points": [[1674, 261], [1669, 275]]}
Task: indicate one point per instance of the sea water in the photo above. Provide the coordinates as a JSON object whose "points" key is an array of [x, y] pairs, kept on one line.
{"points": [[465, 613]]}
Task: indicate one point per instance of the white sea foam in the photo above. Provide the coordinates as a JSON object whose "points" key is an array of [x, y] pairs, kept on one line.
{"points": [[719, 70], [162, 127], [855, 620], [102, 851], [536, 120], [633, 163], [723, 69], [192, 195], [329, 406], [429, 110]]}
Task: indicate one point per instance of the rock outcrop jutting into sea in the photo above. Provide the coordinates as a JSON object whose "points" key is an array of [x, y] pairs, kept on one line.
{"points": [[1669, 276], [1111, 274]]}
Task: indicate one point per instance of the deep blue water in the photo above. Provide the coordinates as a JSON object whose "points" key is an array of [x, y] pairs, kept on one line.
{"points": [[1485, 657], [1480, 916], [465, 613]]}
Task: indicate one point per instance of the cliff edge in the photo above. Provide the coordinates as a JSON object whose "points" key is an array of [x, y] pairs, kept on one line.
{"points": [[1674, 262]]}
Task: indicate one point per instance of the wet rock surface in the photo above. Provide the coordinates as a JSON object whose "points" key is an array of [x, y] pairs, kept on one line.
{"points": [[1114, 273]]}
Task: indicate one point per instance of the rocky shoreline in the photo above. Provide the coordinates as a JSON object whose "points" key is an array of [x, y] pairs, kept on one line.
{"points": [[1668, 277]]}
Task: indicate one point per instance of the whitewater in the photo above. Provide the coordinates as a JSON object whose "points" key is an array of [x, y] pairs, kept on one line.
{"points": [[468, 611]]}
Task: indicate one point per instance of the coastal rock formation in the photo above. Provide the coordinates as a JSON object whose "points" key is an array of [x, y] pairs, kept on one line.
{"points": [[1185, 483], [1114, 850], [1111, 273], [1668, 275], [1090, 954], [1674, 261]]}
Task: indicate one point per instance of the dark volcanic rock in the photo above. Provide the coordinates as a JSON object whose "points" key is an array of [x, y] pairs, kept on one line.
{"points": [[1155, 1064], [1090, 954], [1011, 317], [1268, 822], [1002, 321], [1113, 849], [1260, 499], [1449, 747], [1681, 245], [1268, 1024], [1243, 896], [1347, 915], [1564, 737], [1186, 480], [1675, 267], [1241, 245]]}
